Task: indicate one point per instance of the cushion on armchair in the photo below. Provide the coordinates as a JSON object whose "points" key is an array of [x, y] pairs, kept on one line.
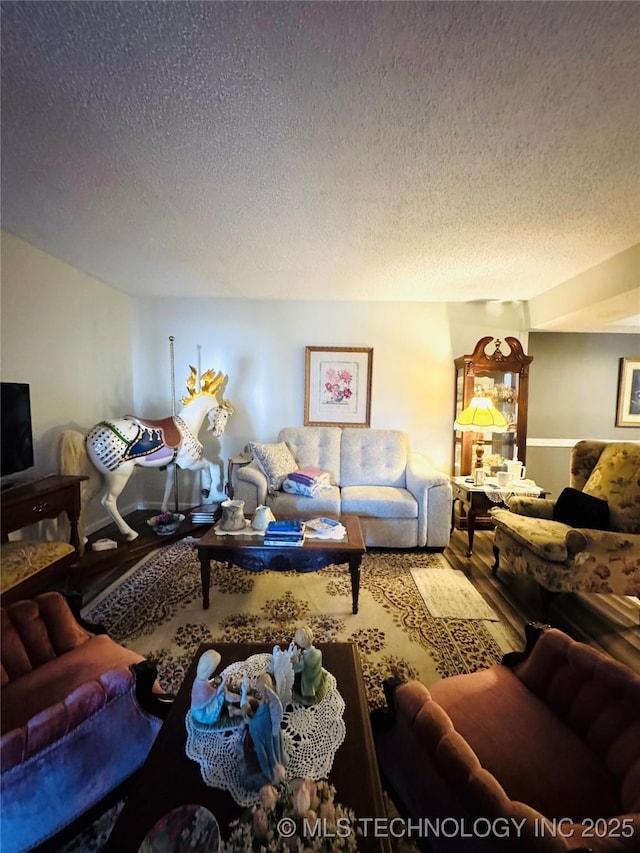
{"points": [[580, 509]]}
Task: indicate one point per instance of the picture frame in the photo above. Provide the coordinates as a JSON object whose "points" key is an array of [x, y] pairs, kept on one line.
{"points": [[628, 408], [337, 386]]}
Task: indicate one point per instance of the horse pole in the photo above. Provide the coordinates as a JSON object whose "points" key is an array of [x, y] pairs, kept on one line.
{"points": [[172, 368]]}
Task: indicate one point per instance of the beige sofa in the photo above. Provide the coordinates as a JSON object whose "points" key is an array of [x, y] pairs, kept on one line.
{"points": [[402, 500]]}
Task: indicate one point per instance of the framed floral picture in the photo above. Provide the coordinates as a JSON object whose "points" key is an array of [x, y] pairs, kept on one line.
{"points": [[628, 412], [337, 390]]}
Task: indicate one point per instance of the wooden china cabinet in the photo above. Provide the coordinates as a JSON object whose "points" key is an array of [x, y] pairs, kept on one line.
{"points": [[504, 377]]}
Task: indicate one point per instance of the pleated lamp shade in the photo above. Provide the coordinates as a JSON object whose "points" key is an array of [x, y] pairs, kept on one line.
{"points": [[481, 416]]}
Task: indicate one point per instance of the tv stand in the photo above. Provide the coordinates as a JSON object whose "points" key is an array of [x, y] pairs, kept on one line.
{"points": [[29, 503]]}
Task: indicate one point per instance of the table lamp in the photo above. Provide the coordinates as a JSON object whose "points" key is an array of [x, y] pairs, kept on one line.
{"points": [[481, 417]]}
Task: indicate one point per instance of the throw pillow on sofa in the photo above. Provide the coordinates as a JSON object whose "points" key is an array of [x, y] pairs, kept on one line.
{"points": [[578, 509], [276, 461]]}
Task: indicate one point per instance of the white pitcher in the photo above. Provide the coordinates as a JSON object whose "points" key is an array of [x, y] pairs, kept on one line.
{"points": [[262, 517], [516, 470]]}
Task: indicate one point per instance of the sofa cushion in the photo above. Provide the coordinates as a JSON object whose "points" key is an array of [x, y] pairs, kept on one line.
{"points": [[317, 446], [52, 682], [373, 457], [544, 536], [580, 509], [285, 505], [556, 773], [616, 479], [379, 501], [276, 460]]}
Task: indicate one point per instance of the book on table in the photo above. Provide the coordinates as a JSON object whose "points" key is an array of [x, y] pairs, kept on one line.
{"points": [[284, 532]]}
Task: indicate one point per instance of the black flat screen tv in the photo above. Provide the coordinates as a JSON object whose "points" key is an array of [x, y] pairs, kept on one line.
{"points": [[16, 439]]}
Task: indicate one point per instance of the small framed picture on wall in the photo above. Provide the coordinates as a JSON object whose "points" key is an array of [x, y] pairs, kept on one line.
{"points": [[628, 411], [337, 390]]}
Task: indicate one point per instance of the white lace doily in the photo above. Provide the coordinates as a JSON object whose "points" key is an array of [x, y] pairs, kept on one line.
{"points": [[501, 494], [310, 737], [247, 530]]}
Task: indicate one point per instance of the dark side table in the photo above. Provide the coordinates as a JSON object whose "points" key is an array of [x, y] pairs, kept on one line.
{"points": [[475, 502]]}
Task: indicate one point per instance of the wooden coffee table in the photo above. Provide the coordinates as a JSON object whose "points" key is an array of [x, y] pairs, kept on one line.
{"points": [[169, 779], [251, 553]]}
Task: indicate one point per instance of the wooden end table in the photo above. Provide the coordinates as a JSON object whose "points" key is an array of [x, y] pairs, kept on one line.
{"points": [[250, 552], [476, 502], [169, 779]]}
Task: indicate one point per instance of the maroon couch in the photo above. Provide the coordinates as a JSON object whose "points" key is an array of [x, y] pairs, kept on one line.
{"points": [[72, 727], [549, 743]]}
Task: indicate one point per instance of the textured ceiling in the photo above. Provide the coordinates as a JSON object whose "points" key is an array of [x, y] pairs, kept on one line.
{"points": [[345, 150]]}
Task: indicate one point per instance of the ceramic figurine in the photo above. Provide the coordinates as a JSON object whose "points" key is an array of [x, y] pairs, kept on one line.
{"points": [[283, 675], [208, 692], [309, 684], [262, 744]]}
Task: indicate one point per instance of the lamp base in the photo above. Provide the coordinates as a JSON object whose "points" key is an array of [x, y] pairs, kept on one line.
{"points": [[479, 451]]}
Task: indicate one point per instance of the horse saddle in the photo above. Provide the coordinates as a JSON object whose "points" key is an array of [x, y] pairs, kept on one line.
{"points": [[153, 435]]}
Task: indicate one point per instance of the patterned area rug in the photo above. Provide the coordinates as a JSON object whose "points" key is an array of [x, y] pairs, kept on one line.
{"points": [[156, 609]]}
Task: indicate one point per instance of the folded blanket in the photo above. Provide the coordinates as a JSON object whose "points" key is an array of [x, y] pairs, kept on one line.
{"points": [[310, 476], [295, 488]]}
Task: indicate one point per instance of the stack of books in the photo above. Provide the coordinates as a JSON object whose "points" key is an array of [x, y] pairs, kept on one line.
{"points": [[285, 532], [205, 513], [326, 528]]}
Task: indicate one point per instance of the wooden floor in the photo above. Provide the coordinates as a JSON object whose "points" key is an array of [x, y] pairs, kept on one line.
{"points": [[610, 623]]}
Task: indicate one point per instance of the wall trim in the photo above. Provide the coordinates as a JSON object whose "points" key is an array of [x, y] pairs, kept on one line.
{"points": [[570, 442], [560, 442]]}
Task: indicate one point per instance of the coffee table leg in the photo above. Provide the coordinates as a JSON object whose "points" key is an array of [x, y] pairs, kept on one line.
{"points": [[205, 578], [354, 571]]}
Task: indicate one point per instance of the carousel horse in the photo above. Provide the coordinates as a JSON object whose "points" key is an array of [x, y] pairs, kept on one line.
{"points": [[116, 446]]}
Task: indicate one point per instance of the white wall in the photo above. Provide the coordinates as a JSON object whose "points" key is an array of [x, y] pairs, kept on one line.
{"points": [[69, 337], [261, 346], [90, 352]]}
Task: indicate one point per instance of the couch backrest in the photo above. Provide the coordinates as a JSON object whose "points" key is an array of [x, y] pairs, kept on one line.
{"points": [[318, 446], [598, 698], [373, 457], [34, 632]]}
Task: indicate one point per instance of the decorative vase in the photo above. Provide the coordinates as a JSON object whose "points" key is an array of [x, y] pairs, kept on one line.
{"points": [[232, 515], [262, 517]]}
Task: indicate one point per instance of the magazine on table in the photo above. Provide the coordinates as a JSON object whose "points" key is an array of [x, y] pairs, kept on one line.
{"points": [[325, 528]]}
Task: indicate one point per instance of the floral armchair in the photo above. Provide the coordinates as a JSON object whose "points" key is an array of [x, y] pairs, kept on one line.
{"points": [[589, 539]]}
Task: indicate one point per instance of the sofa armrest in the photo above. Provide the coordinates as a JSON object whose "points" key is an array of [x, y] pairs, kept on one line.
{"points": [[532, 507], [432, 490], [421, 474], [606, 544], [251, 486]]}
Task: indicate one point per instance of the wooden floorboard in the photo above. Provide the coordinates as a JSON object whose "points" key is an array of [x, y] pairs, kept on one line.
{"points": [[610, 623]]}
